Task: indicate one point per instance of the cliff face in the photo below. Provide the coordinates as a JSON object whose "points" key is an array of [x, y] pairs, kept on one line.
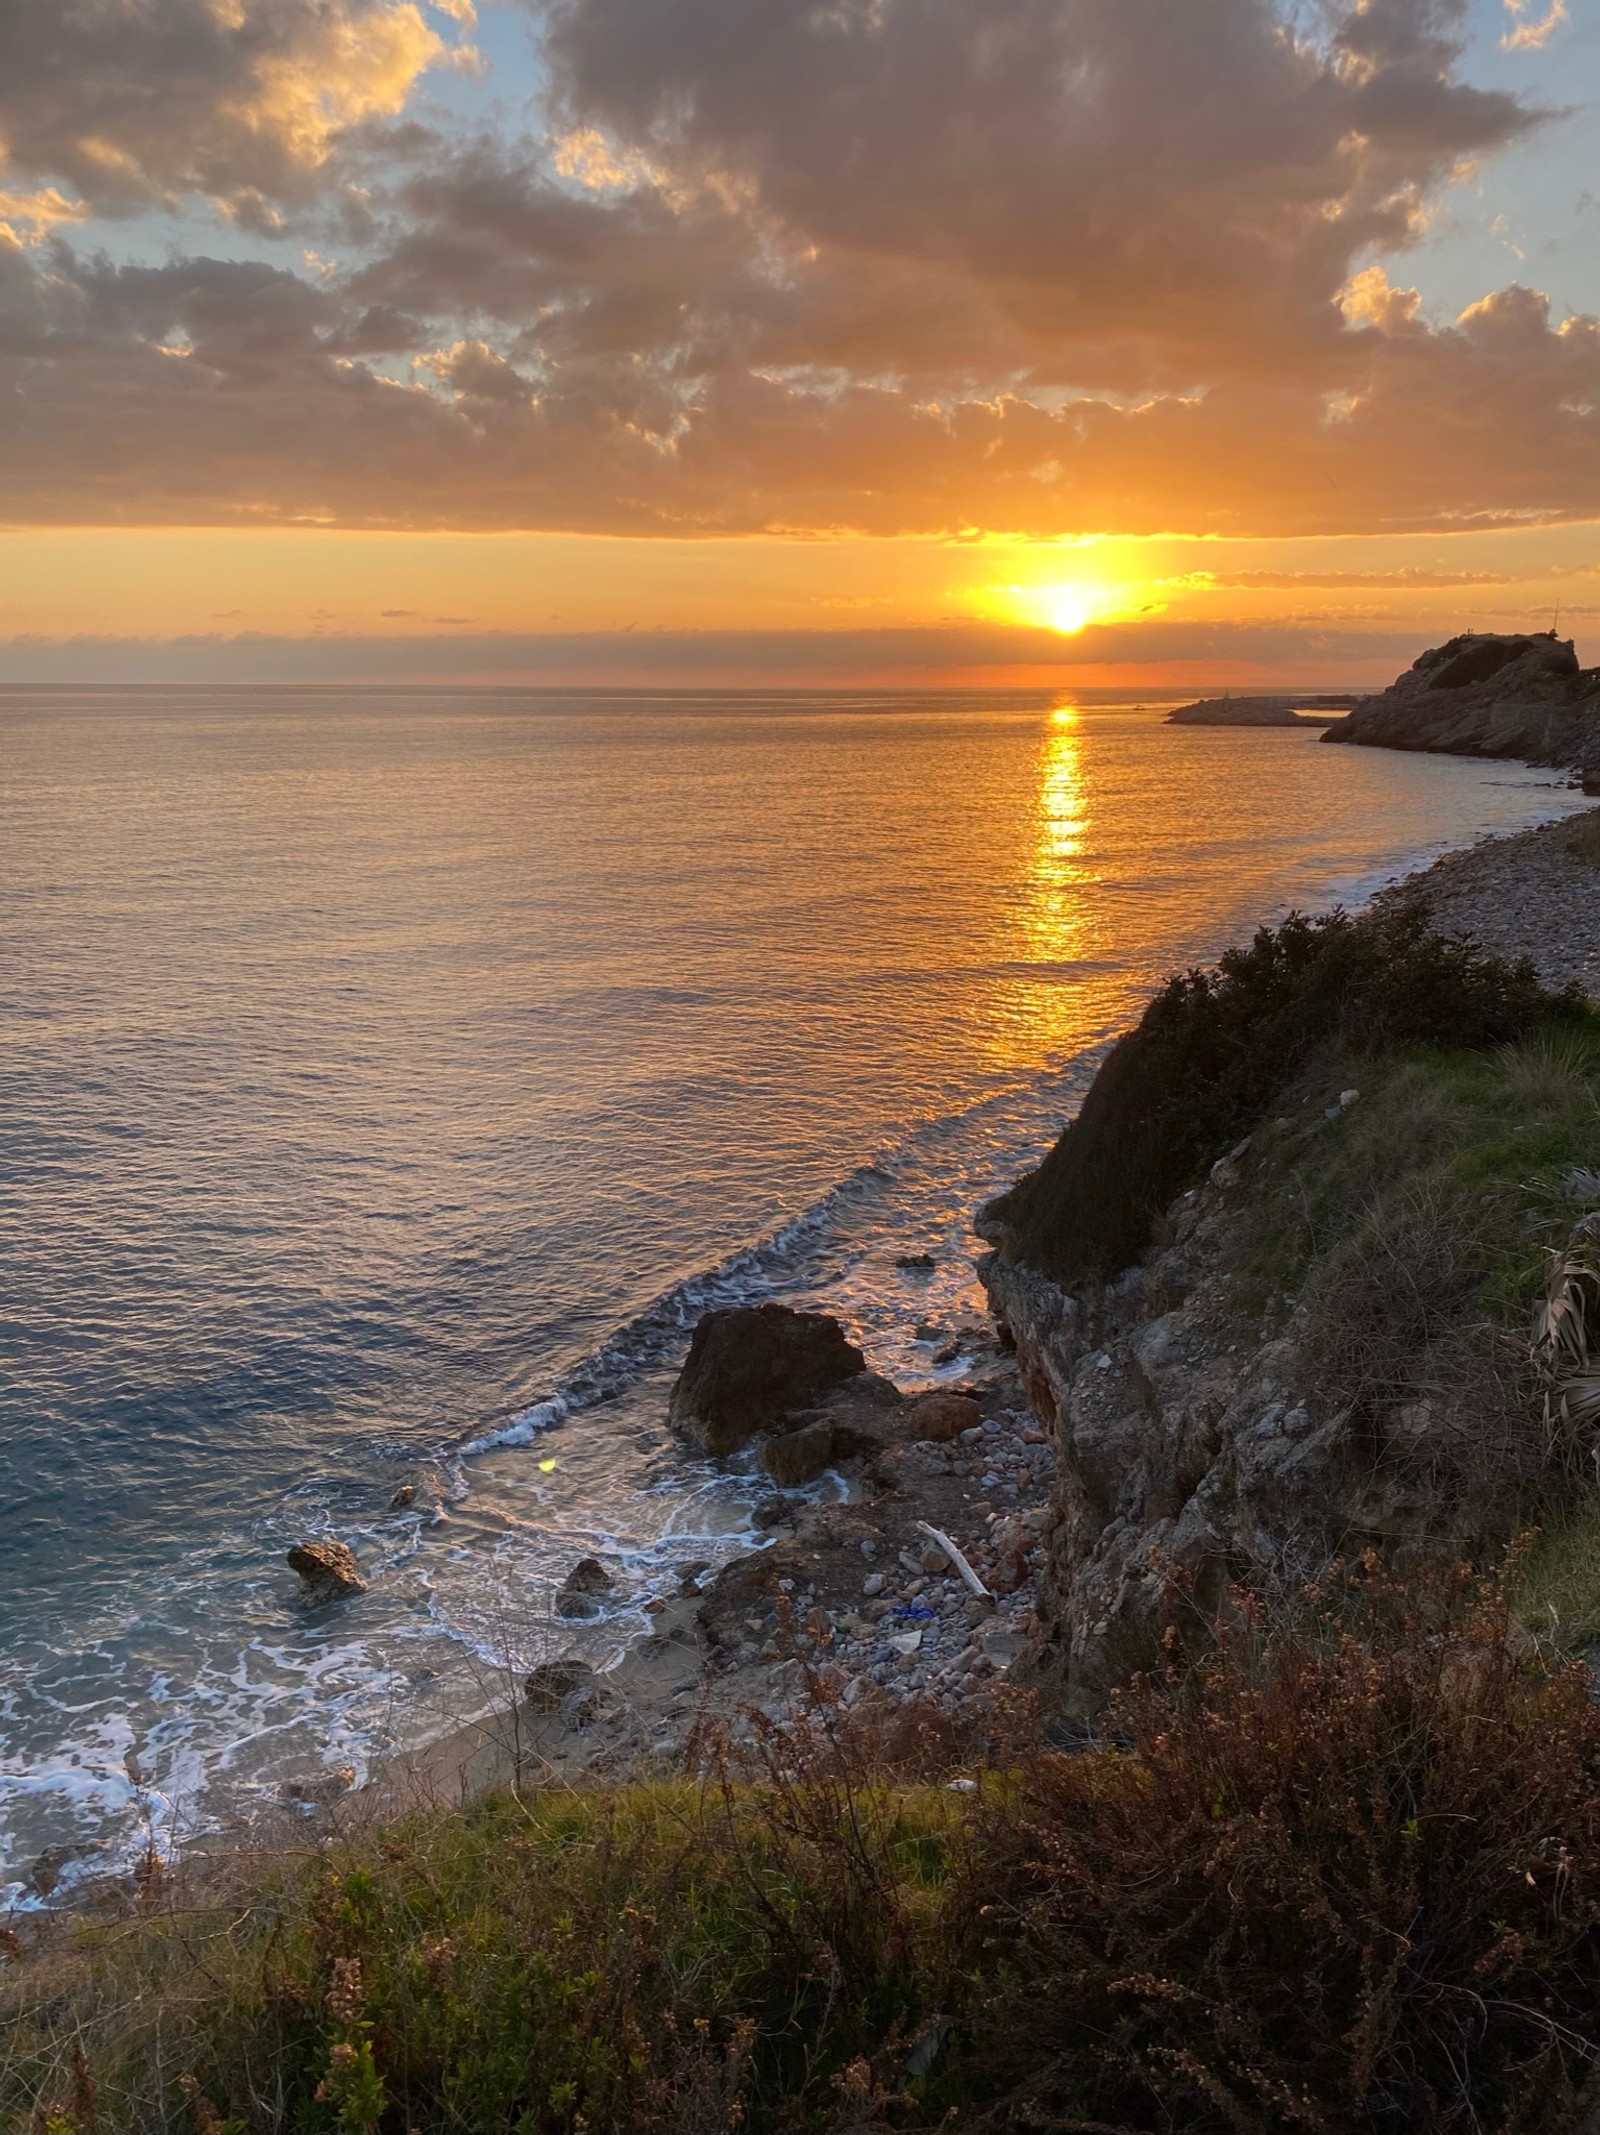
{"points": [[1195, 1448], [1486, 694]]}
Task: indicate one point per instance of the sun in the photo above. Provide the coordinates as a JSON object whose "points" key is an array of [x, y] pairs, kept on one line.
{"points": [[1069, 608], [1067, 605]]}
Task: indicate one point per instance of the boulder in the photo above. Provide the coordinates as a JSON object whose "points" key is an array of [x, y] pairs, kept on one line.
{"points": [[939, 1417], [796, 1457], [553, 1682], [752, 1366], [329, 1569], [583, 1589]]}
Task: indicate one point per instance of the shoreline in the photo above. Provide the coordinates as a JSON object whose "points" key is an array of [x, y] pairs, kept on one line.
{"points": [[1515, 894], [780, 1626]]}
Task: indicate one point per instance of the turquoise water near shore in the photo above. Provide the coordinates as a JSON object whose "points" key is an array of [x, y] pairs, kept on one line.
{"points": [[388, 1080]]}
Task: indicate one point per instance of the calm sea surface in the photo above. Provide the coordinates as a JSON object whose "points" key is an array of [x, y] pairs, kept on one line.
{"points": [[388, 1081]]}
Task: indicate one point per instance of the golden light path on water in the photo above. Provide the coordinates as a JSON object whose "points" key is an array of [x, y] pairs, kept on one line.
{"points": [[1054, 920]]}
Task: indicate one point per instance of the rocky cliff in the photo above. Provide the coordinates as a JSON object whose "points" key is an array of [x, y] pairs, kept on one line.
{"points": [[1196, 1446], [1487, 694], [1319, 1346]]}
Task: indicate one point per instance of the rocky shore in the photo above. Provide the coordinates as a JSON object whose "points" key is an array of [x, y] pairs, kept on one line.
{"points": [[1087, 1448], [1532, 894], [852, 1606]]}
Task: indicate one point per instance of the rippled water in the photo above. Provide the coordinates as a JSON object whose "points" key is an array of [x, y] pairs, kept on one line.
{"points": [[387, 1081]]}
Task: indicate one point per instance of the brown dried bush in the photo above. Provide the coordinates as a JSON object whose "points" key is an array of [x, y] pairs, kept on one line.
{"points": [[1344, 1876]]}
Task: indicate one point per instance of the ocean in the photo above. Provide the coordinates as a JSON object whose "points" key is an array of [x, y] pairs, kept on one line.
{"points": [[388, 1081]]}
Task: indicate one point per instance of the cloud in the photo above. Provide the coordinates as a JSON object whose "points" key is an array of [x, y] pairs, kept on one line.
{"points": [[132, 102], [1529, 36], [636, 657], [885, 265], [1406, 578], [1136, 193], [26, 217]]}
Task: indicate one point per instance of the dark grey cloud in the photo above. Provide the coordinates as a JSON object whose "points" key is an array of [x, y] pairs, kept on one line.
{"points": [[1141, 191]]}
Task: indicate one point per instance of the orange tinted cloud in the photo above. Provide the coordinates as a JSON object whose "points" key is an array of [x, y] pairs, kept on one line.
{"points": [[879, 265]]}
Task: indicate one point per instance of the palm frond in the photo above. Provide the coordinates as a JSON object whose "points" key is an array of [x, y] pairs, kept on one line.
{"points": [[1566, 1342]]}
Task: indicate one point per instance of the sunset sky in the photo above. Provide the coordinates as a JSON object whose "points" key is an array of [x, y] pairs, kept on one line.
{"points": [[625, 340]]}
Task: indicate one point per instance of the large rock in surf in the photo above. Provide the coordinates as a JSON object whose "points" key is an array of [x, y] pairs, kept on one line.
{"points": [[584, 1588], [329, 1569], [1487, 693], [751, 1366]]}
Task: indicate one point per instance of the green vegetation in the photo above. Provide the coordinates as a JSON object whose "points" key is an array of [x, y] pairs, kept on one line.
{"points": [[1347, 1875], [1557, 1594], [1214, 1050], [1415, 1229]]}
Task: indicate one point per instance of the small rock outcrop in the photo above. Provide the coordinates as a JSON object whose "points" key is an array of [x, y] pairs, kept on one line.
{"points": [[751, 1367], [862, 1419], [795, 1457], [329, 1569], [939, 1417], [1261, 711], [1487, 693], [551, 1684], [583, 1590]]}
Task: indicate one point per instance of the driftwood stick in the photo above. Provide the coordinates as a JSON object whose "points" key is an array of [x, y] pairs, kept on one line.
{"points": [[969, 1576]]}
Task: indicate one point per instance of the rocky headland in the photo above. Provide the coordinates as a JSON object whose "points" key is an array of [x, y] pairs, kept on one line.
{"points": [[1489, 694], [1321, 710], [1294, 1368]]}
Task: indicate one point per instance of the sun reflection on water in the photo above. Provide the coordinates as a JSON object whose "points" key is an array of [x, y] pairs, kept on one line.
{"points": [[1054, 1005], [1055, 919]]}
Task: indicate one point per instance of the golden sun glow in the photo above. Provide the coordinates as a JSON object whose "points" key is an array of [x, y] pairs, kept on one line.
{"points": [[1067, 605]]}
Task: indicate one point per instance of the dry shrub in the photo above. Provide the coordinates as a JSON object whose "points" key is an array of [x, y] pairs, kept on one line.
{"points": [[1343, 1876], [1396, 1333]]}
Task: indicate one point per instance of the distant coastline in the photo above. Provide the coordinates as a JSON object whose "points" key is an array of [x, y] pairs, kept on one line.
{"points": [[1322, 709]]}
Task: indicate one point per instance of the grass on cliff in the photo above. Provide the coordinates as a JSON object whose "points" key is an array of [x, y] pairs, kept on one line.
{"points": [[1414, 1229], [1345, 1876], [1215, 1049]]}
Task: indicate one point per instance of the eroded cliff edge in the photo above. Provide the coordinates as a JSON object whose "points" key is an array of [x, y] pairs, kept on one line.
{"points": [[1319, 1345]]}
